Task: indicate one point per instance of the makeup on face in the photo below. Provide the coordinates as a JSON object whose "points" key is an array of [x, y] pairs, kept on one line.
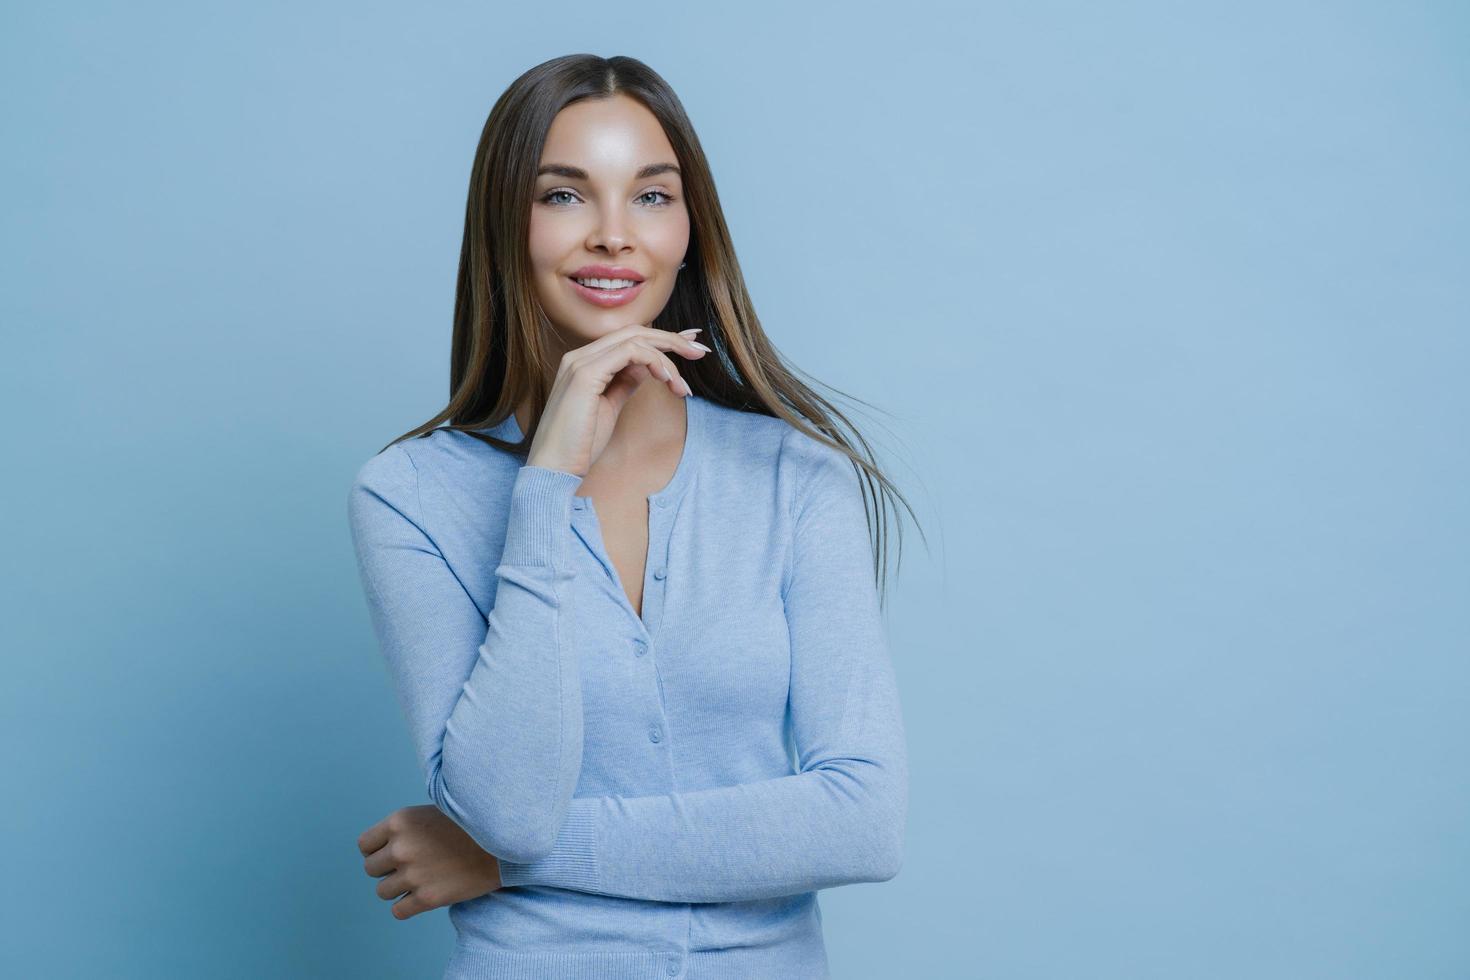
{"points": [[607, 285]]}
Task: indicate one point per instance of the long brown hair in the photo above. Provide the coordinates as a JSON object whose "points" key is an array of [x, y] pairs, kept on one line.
{"points": [[500, 354]]}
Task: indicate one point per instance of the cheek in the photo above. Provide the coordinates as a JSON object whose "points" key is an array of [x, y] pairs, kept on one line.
{"points": [[547, 242], [669, 240]]}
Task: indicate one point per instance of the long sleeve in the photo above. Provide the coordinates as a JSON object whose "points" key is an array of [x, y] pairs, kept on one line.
{"points": [[494, 702], [841, 818]]}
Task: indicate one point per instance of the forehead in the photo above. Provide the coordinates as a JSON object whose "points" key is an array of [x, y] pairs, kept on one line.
{"points": [[610, 138]]}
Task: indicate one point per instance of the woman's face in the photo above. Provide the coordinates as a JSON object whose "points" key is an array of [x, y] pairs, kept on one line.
{"points": [[608, 195]]}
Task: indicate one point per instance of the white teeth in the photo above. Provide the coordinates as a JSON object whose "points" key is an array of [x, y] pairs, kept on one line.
{"points": [[607, 283]]}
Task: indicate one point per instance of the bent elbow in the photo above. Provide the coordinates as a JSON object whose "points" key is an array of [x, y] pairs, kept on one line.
{"points": [[890, 830], [878, 828], [514, 848], [518, 834], [523, 844], [884, 856], [890, 860], [876, 854]]}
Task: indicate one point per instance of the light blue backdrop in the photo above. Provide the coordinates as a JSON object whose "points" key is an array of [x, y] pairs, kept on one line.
{"points": [[1169, 304]]}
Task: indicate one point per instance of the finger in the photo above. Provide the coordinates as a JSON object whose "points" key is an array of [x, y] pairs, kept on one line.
{"points": [[410, 906], [606, 366], [667, 370], [603, 368], [629, 364], [392, 886], [683, 342], [380, 862], [688, 344], [592, 350], [374, 837]]}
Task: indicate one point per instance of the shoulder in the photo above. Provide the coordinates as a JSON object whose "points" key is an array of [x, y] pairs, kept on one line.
{"points": [[747, 446], [444, 456], [808, 452], [817, 469], [739, 431], [385, 472], [410, 471], [443, 452], [383, 492], [754, 438]]}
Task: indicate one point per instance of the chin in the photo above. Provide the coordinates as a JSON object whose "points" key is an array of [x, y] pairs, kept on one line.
{"points": [[581, 327]]}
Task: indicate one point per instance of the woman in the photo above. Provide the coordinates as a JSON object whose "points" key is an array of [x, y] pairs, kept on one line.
{"points": [[628, 580]]}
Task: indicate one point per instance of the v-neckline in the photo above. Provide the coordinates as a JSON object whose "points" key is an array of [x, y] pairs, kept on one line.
{"points": [[662, 508]]}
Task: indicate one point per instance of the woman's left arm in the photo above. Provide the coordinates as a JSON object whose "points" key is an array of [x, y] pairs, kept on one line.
{"points": [[841, 818]]}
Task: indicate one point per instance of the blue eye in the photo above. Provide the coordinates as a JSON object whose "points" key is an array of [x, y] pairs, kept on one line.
{"points": [[547, 198]]}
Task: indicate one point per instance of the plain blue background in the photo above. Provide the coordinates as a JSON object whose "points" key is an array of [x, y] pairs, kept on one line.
{"points": [[1165, 310]]}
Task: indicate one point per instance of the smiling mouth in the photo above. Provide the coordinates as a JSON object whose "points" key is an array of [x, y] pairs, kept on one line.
{"points": [[611, 285], [607, 293]]}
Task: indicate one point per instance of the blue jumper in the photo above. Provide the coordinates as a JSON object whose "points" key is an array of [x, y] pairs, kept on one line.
{"points": [[665, 792]]}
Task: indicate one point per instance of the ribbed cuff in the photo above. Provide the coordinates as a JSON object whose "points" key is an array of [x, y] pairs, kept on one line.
{"points": [[572, 862], [540, 514]]}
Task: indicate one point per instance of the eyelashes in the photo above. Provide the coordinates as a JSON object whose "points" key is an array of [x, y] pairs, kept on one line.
{"points": [[547, 198]]}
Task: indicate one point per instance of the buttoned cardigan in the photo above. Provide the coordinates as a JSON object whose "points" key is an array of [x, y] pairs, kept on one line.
{"points": [[667, 789]]}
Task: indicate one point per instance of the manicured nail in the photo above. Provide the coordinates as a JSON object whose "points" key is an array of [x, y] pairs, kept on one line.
{"points": [[701, 346], [690, 330]]}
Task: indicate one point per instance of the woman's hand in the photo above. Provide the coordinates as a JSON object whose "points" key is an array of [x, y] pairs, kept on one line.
{"points": [[425, 857], [593, 382]]}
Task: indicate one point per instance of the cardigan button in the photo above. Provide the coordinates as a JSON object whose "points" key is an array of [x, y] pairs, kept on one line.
{"points": [[639, 648], [653, 734], [659, 574], [674, 967], [662, 502]]}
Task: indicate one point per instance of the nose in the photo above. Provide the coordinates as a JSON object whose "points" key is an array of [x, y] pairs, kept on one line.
{"points": [[611, 231]]}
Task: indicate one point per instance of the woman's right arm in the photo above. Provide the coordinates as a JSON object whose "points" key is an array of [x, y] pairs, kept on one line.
{"points": [[494, 702]]}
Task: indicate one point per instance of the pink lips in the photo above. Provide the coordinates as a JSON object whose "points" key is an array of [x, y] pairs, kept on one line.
{"points": [[607, 297], [608, 272]]}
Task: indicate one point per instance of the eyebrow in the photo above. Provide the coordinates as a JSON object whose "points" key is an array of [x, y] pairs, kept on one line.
{"points": [[577, 173]]}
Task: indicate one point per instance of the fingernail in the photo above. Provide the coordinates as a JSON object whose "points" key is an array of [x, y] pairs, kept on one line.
{"points": [[690, 330], [701, 346]]}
